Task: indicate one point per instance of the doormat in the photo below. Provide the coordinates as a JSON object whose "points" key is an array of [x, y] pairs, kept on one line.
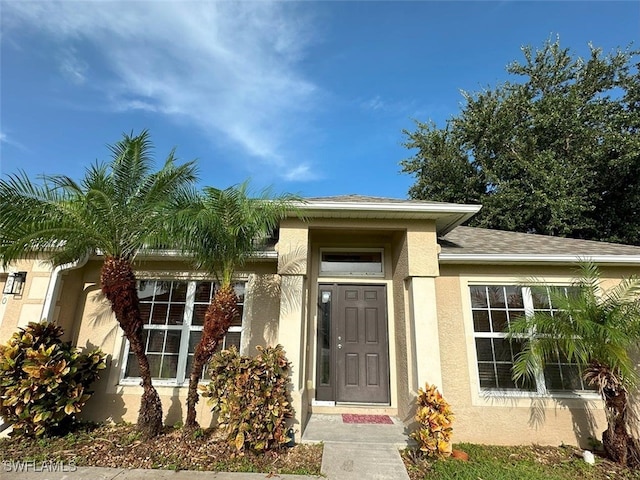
{"points": [[373, 419]]}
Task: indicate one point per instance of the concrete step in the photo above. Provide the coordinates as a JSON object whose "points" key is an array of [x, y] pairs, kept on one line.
{"points": [[331, 428]]}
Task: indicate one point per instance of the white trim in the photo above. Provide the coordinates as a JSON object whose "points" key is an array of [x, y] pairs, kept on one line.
{"points": [[322, 403], [401, 206], [185, 327], [497, 397], [536, 258], [53, 289], [178, 255], [447, 216]]}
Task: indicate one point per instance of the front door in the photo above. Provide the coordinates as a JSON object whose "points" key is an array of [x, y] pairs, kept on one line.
{"points": [[353, 344]]}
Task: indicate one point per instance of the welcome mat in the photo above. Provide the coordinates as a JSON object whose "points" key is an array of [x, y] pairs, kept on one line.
{"points": [[373, 419]]}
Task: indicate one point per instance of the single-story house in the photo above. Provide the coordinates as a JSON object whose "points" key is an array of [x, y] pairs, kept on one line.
{"points": [[370, 297]]}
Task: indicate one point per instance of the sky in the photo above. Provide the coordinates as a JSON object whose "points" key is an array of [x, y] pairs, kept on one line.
{"points": [[304, 97]]}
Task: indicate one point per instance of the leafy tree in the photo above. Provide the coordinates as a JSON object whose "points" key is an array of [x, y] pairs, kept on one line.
{"points": [[117, 209], [597, 330], [557, 153], [222, 229]]}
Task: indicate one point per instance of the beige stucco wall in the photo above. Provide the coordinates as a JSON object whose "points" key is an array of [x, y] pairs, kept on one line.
{"points": [[293, 253], [503, 419], [95, 326], [430, 327], [417, 359], [18, 310]]}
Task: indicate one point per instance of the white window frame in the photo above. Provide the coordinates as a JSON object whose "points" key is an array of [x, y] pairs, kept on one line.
{"points": [[541, 387], [323, 273], [182, 376]]}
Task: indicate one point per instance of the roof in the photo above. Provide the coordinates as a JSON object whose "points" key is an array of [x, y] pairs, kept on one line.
{"points": [[469, 244], [351, 198], [446, 215]]}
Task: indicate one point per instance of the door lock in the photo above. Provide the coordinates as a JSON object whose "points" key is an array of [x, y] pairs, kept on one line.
{"points": [[339, 345]]}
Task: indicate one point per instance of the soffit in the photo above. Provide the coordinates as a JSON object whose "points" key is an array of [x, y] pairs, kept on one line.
{"points": [[446, 215]]}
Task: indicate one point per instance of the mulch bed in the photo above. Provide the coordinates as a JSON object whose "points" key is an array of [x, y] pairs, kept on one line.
{"points": [[120, 446]]}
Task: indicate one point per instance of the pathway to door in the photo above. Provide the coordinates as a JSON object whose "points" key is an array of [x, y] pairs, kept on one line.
{"points": [[356, 451]]}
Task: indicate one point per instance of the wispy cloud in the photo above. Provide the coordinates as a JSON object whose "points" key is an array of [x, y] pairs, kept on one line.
{"points": [[73, 67], [374, 103], [230, 68], [300, 172], [387, 106], [7, 140]]}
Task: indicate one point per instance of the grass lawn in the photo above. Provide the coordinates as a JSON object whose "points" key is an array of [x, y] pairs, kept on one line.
{"points": [[516, 463], [120, 446]]}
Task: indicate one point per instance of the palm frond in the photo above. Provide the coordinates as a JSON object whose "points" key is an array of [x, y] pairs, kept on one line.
{"points": [[226, 226], [590, 326], [118, 207]]}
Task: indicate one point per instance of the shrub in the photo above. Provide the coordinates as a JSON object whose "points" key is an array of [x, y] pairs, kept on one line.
{"points": [[435, 417], [251, 397], [43, 380]]}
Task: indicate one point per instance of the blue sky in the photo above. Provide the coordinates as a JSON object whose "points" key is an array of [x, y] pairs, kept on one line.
{"points": [[307, 97]]}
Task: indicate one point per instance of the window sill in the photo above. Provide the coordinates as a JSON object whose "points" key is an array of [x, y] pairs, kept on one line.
{"points": [[525, 399], [550, 395], [158, 383]]}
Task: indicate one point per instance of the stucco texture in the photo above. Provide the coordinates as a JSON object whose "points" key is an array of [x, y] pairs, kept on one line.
{"points": [[500, 418]]}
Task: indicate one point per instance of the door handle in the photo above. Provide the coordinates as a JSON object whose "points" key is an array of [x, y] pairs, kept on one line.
{"points": [[339, 345]]}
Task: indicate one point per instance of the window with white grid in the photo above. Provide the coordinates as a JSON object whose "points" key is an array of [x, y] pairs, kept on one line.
{"points": [[173, 315], [493, 308]]}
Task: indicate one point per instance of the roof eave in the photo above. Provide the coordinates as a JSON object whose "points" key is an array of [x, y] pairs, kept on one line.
{"points": [[534, 259], [262, 255], [447, 215]]}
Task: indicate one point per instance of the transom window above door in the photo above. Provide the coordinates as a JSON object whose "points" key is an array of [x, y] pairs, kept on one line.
{"points": [[361, 262]]}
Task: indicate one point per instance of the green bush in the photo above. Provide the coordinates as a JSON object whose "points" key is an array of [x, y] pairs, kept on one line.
{"points": [[434, 417], [43, 380], [251, 397]]}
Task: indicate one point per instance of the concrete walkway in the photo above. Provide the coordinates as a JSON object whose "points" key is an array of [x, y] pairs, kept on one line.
{"points": [[351, 452], [99, 473], [358, 451]]}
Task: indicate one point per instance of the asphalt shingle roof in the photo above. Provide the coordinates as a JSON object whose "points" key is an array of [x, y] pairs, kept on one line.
{"points": [[369, 199], [482, 241]]}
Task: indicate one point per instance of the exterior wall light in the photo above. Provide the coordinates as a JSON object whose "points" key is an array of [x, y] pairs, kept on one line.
{"points": [[15, 283]]}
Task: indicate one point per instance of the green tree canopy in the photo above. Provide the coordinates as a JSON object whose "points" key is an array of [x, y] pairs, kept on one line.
{"points": [[556, 153]]}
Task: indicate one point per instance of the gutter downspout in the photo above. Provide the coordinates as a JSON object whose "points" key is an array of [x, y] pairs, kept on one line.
{"points": [[53, 290]]}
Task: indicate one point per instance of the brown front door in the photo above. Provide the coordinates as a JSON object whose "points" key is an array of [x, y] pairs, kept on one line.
{"points": [[358, 343]]}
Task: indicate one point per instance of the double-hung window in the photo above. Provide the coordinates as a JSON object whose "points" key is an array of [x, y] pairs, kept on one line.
{"points": [[173, 316], [493, 308]]}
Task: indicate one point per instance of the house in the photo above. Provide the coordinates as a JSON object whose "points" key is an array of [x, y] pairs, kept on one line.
{"points": [[371, 298]]}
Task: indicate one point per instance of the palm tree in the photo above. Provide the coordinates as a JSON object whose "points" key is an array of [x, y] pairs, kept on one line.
{"points": [[226, 227], [597, 330], [116, 210]]}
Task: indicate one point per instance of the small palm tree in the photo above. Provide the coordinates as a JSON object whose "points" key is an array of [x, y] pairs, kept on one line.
{"points": [[117, 209], [222, 229], [597, 330]]}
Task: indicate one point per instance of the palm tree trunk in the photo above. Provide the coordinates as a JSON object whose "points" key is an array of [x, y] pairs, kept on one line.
{"points": [[217, 320], [119, 286], [617, 442]]}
